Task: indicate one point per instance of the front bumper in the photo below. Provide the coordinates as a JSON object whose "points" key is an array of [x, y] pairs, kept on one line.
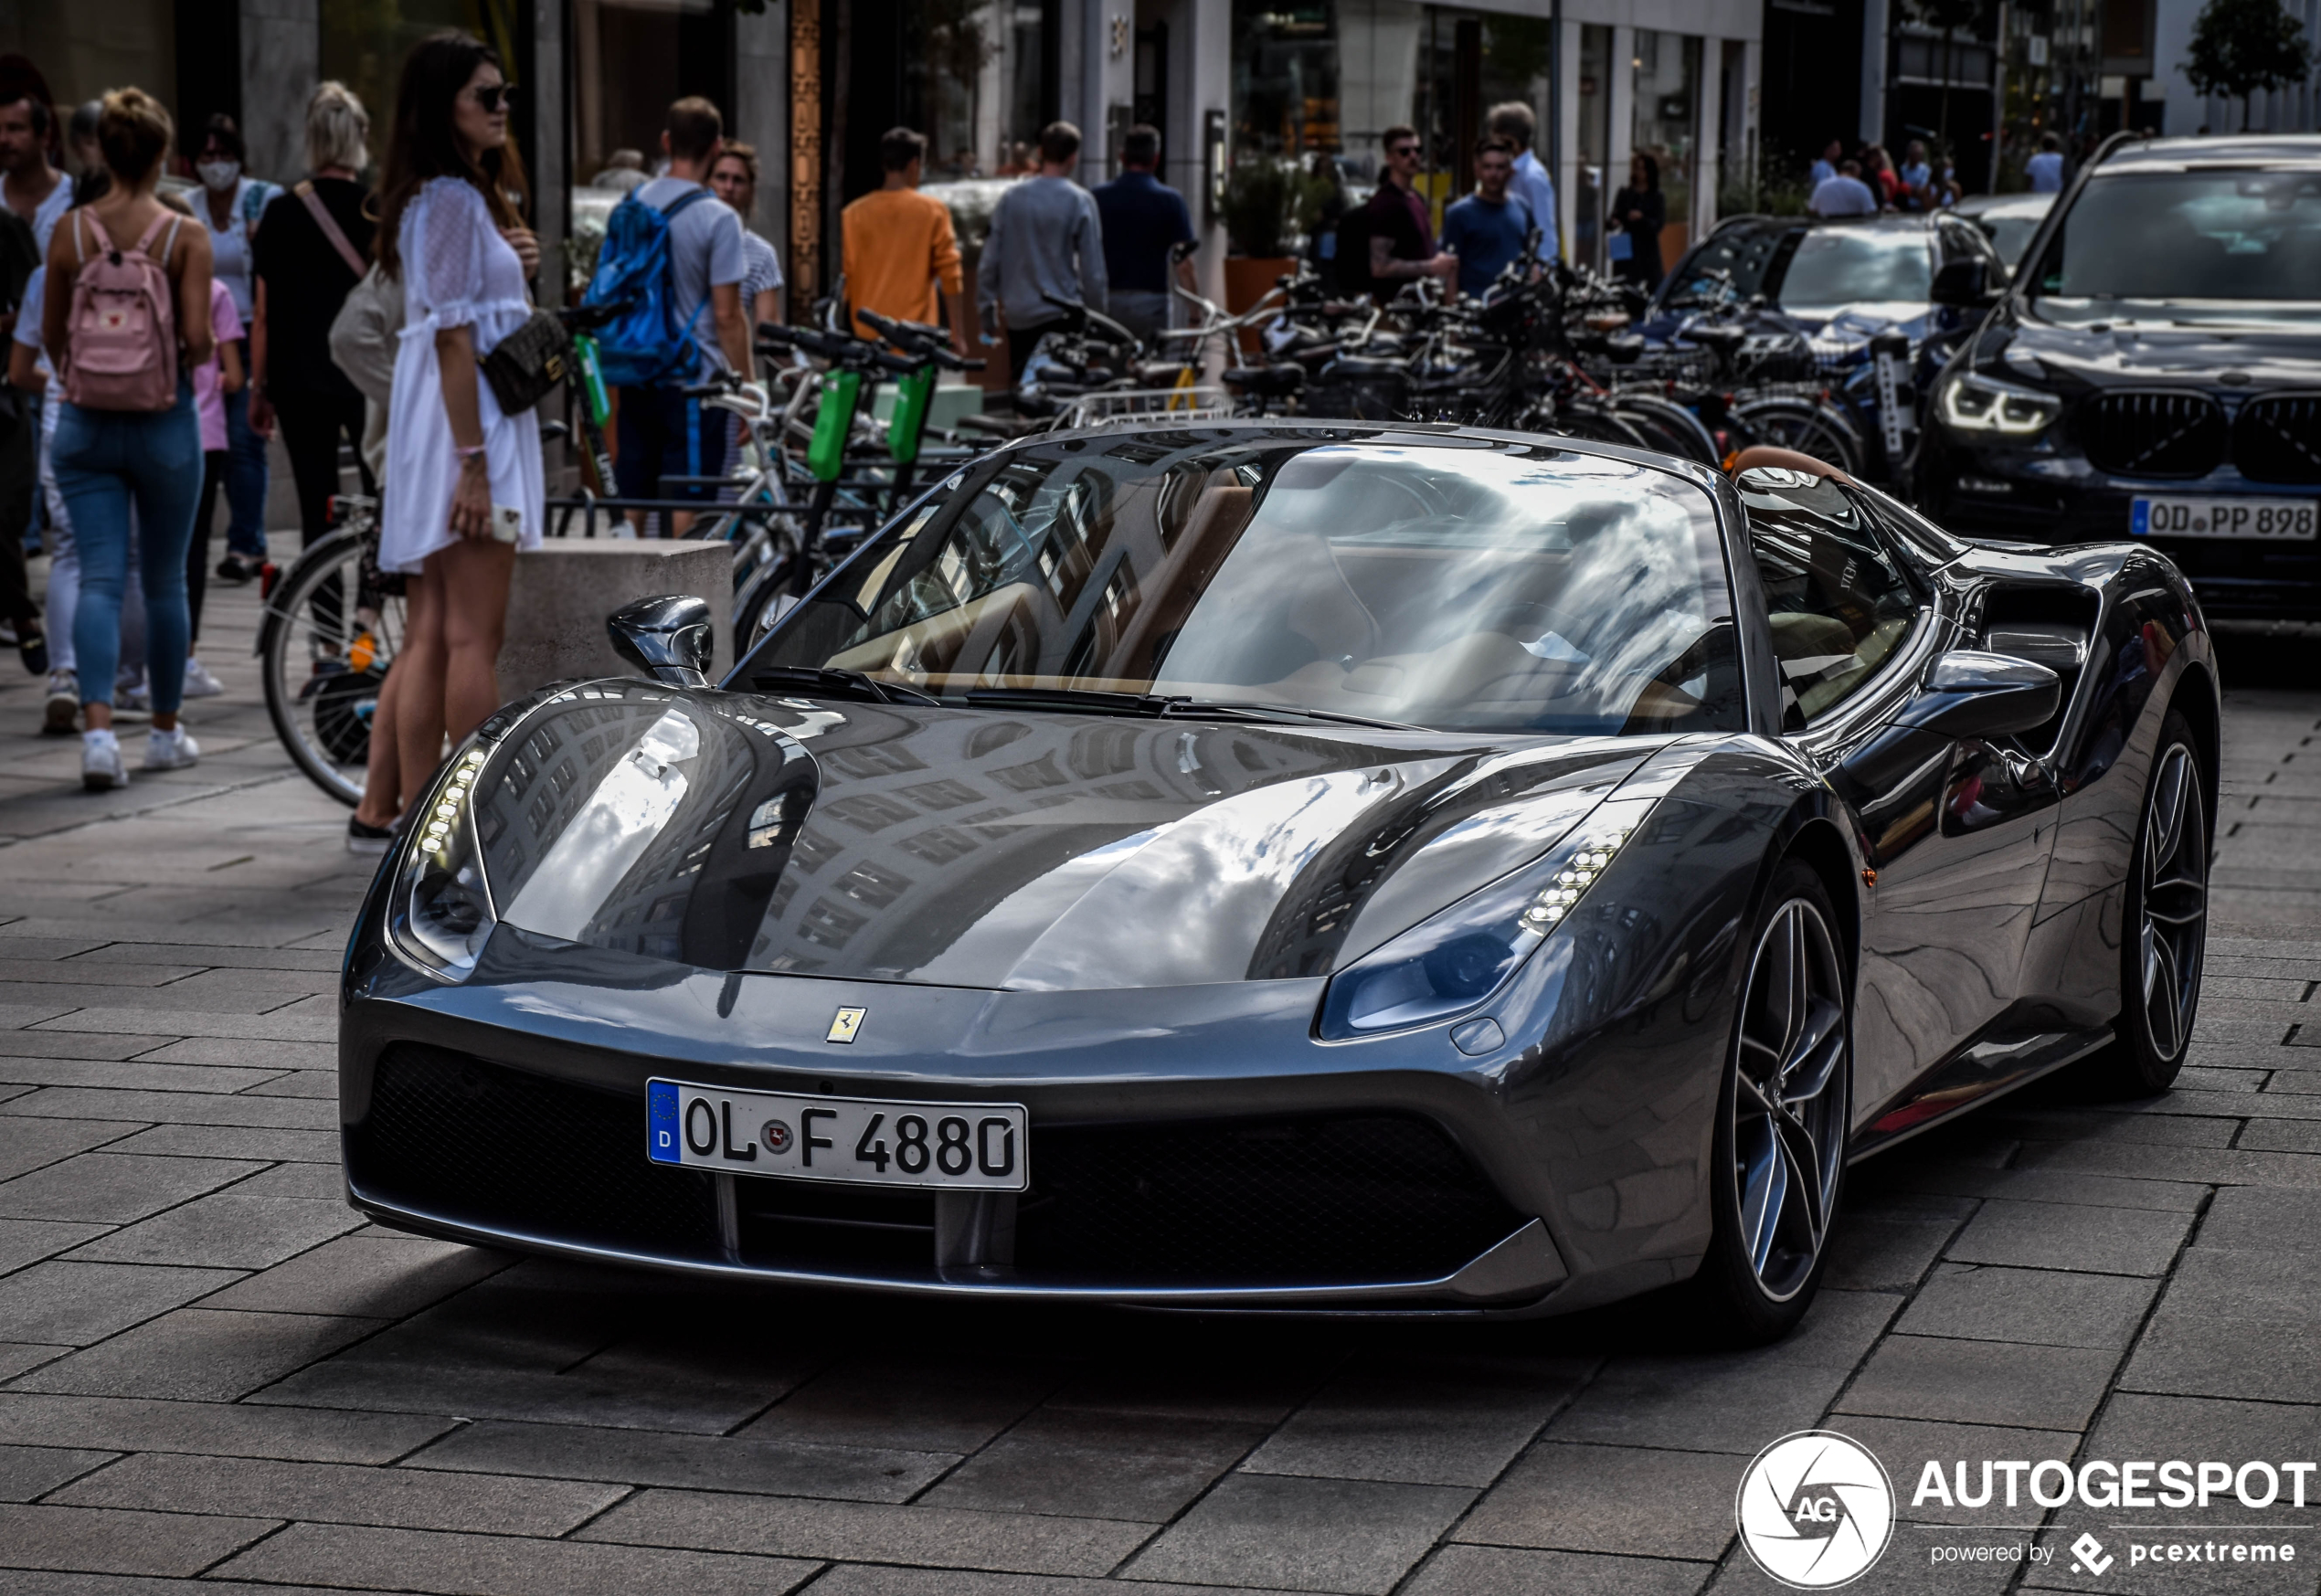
{"points": [[1224, 1160], [2049, 494]]}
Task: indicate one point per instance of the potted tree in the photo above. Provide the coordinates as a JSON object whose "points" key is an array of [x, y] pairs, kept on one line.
{"points": [[1261, 202]]}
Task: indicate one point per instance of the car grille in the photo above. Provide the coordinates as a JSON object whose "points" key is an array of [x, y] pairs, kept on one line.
{"points": [[2279, 439], [1342, 1200], [1375, 1197], [2152, 434], [454, 1136]]}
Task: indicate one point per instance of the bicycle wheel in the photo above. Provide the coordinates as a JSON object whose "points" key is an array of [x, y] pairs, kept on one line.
{"points": [[1672, 428], [1595, 426], [1804, 425], [323, 660]]}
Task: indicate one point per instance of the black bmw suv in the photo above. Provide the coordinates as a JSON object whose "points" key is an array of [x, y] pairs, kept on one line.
{"points": [[2152, 371]]}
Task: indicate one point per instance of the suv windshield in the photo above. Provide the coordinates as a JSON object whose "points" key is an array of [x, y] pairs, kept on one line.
{"points": [[1840, 266], [1448, 584], [2174, 236]]}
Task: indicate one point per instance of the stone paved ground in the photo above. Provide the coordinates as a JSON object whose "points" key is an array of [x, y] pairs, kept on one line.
{"points": [[212, 1371]]}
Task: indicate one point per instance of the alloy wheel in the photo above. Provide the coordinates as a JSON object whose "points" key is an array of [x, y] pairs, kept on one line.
{"points": [[1789, 1098], [2173, 931]]}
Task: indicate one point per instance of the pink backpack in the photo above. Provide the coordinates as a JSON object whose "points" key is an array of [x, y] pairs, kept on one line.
{"points": [[120, 338]]}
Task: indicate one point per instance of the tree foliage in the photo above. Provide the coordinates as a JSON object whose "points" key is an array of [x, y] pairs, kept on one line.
{"points": [[2241, 45]]}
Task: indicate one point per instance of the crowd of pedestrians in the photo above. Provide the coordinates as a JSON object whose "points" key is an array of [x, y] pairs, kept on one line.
{"points": [[161, 337], [1869, 182]]}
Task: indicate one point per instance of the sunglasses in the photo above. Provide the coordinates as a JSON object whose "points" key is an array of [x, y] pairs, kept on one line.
{"points": [[492, 98], [1401, 152]]}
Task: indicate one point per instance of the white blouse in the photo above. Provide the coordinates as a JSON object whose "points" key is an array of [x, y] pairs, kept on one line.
{"points": [[457, 272]]}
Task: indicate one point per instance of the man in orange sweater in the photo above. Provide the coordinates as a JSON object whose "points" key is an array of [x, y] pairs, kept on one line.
{"points": [[899, 244]]}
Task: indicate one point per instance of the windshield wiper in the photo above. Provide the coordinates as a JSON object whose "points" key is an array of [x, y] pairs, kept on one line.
{"points": [[1248, 710], [1155, 706], [1072, 700], [834, 682]]}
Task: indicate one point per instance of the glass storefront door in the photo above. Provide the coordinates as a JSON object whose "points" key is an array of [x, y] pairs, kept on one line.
{"points": [[1667, 125]]}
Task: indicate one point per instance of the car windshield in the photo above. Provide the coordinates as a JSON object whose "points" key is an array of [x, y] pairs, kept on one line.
{"points": [[2187, 236], [1447, 583], [1747, 255], [1842, 265]]}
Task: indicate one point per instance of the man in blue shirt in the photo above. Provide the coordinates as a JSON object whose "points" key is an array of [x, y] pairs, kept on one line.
{"points": [[1143, 219], [1488, 228]]}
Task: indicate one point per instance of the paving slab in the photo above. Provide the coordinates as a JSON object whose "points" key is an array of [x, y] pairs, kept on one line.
{"points": [[1300, 1534]]}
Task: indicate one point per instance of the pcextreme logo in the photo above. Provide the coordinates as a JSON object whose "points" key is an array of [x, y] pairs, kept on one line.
{"points": [[1815, 1510]]}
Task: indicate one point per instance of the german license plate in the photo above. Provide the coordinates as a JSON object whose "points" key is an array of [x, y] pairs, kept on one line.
{"points": [[966, 1146], [2266, 520]]}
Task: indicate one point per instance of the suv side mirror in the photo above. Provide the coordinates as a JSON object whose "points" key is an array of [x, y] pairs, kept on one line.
{"points": [[1965, 284], [1970, 693], [669, 639]]}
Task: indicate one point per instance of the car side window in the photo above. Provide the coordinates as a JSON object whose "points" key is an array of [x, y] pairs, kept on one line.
{"points": [[1837, 602]]}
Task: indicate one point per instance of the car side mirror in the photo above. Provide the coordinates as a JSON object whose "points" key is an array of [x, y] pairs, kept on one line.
{"points": [[670, 638], [1965, 284], [1970, 693]]}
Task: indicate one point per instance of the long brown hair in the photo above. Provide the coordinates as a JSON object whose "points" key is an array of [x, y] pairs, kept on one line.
{"points": [[425, 145]]}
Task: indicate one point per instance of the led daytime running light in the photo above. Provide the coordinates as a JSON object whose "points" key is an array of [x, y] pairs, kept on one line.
{"points": [[1979, 404]]}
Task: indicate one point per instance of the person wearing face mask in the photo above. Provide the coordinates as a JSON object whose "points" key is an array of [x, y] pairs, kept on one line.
{"points": [[231, 207]]}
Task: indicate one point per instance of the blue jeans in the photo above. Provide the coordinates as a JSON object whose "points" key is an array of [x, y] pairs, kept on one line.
{"points": [[108, 463], [245, 475]]}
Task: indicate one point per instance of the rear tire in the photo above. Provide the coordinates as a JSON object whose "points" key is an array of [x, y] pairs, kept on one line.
{"points": [[1782, 1117], [2164, 920]]}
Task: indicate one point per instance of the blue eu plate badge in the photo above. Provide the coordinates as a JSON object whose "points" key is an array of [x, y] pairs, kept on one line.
{"points": [[660, 1123]]}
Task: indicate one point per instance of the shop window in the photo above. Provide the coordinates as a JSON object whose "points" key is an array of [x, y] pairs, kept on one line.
{"points": [[1666, 124], [363, 46]]}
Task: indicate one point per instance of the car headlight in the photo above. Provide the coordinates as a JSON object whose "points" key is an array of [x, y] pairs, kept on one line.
{"points": [[1971, 403], [1458, 959], [441, 912]]}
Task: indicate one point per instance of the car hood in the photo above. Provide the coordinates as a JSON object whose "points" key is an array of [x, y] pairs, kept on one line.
{"points": [[993, 849], [1840, 330], [2109, 353]]}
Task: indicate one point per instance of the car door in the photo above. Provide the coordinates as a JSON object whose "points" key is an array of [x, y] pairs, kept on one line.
{"points": [[1956, 856]]}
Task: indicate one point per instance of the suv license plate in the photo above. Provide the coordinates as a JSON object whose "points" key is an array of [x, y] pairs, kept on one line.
{"points": [[964, 1146], [2263, 520]]}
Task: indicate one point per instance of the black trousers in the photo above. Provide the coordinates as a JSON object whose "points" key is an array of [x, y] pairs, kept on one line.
{"points": [[313, 424], [1021, 342], [19, 480]]}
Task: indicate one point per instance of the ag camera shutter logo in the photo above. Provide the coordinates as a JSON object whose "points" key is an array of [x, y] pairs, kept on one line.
{"points": [[1815, 1510]]}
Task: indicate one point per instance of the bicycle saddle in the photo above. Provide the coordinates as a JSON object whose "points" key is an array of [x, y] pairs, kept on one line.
{"points": [[1625, 349], [1272, 381]]}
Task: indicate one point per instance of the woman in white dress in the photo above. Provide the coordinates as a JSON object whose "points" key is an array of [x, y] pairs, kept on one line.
{"points": [[463, 484]]}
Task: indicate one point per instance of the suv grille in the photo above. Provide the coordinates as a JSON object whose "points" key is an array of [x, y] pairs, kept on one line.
{"points": [[2279, 439], [2152, 434], [452, 1135], [1344, 1200]]}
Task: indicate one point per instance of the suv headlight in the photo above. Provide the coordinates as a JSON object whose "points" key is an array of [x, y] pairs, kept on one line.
{"points": [[1974, 404], [1459, 958], [441, 912]]}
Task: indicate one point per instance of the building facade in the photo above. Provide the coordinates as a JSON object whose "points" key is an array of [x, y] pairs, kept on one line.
{"points": [[1606, 78]]}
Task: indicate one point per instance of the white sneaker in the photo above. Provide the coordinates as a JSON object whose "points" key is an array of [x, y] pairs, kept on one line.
{"points": [[171, 750], [100, 767], [63, 709], [199, 682]]}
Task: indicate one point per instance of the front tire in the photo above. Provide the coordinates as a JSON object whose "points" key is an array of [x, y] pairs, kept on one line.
{"points": [[2164, 923], [1782, 1117]]}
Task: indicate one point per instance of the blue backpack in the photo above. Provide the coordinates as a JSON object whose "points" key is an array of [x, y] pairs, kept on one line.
{"points": [[648, 342]]}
